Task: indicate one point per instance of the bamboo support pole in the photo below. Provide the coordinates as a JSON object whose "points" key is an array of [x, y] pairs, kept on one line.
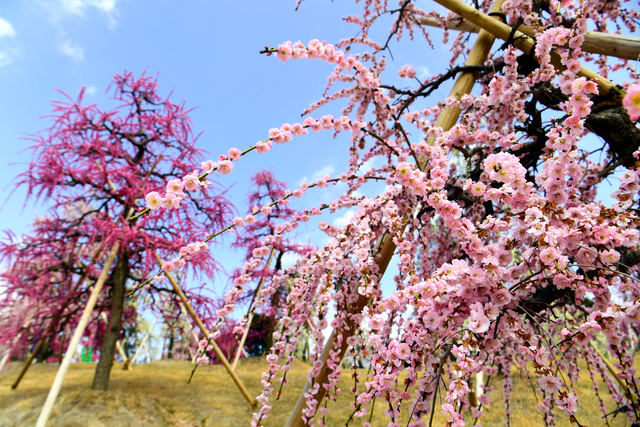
{"points": [[618, 45], [143, 342], [7, 352], [523, 42], [250, 319], [28, 363], [146, 353], [193, 334], [53, 325], [125, 359], [612, 369], [204, 330], [386, 248], [5, 357], [75, 340]]}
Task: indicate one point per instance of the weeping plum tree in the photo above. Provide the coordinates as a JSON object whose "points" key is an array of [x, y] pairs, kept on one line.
{"points": [[507, 255], [91, 168]]}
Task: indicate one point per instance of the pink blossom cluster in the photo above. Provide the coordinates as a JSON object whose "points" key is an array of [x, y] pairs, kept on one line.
{"points": [[407, 71], [186, 252]]}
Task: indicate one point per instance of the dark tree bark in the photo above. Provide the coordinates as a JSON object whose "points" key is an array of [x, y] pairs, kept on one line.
{"points": [[107, 352], [171, 342]]}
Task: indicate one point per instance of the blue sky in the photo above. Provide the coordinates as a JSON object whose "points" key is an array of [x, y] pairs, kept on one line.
{"points": [[206, 53]]}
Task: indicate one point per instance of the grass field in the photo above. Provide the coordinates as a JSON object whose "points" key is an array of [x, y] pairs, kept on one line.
{"points": [[157, 394]]}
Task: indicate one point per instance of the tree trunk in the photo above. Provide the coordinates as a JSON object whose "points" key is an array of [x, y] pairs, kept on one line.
{"points": [[107, 352], [45, 352], [170, 350]]}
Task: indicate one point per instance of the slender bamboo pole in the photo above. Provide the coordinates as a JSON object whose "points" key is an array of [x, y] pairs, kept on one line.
{"points": [[612, 370], [7, 352], [125, 359], [144, 341], [447, 118], [146, 353], [250, 319], [523, 42], [193, 333], [618, 45], [28, 363], [54, 323], [204, 330], [75, 340]]}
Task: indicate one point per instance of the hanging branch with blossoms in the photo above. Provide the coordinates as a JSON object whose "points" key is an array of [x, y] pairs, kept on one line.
{"points": [[507, 255], [267, 191]]}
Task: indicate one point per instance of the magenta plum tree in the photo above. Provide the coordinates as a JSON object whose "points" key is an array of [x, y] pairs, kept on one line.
{"points": [[91, 168], [508, 256], [267, 189]]}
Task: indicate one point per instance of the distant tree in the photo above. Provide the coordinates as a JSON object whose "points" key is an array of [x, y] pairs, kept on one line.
{"points": [[92, 167], [264, 230]]}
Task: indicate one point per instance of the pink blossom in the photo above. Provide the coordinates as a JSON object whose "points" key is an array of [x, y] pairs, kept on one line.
{"points": [[479, 322], [263, 146], [208, 166], [403, 351], [549, 255], [407, 71], [549, 384], [234, 153], [225, 167], [297, 129], [631, 102], [191, 182], [285, 51], [154, 200], [175, 186], [168, 266], [172, 200], [610, 256]]}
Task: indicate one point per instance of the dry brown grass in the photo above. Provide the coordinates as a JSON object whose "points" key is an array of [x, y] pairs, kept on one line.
{"points": [[157, 394]]}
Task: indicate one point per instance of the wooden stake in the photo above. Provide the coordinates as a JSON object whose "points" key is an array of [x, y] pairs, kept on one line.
{"points": [[216, 349], [524, 43], [75, 340], [618, 45], [125, 359], [614, 372], [447, 118], [144, 341], [246, 331], [54, 323]]}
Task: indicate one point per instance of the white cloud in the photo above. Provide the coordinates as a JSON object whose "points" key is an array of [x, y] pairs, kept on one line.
{"points": [[63, 8], [320, 173], [6, 29], [371, 163], [423, 72], [91, 90], [5, 58], [345, 218], [289, 259], [72, 50]]}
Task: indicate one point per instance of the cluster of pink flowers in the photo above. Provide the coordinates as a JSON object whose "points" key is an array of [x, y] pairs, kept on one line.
{"points": [[407, 71], [186, 252], [175, 193], [366, 77]]}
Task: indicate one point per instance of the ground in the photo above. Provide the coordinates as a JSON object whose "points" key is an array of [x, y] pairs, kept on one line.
{"points": [[157, 394]]}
